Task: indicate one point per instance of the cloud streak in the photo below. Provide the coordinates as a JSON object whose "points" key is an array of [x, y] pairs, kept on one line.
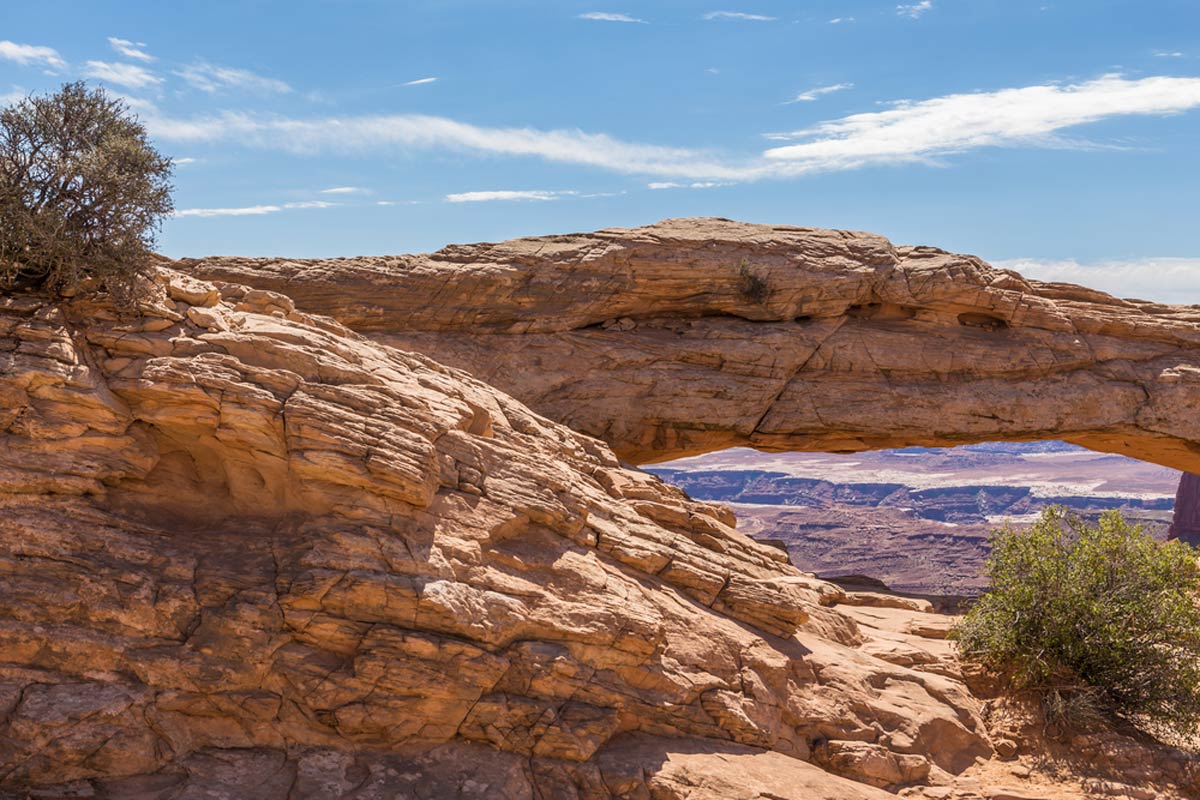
{"points": [[31, 55], [130, 49], [738, 15], [487, 197], [419, 82], [1163, 280], [246, 211], [813, 94], [907, 132], [1031, 115], [693, 185], [211, 79], [914, 10], [370, 135], [251, 211], [310, 204], [130, 76], [605, 16]]}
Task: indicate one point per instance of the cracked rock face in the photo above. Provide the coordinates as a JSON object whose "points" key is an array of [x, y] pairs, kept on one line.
{"points": [[247, 552], [700, 334], [243, 546]]}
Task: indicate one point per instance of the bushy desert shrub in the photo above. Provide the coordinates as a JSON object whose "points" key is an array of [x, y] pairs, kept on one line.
{"points": [[1093, 617], [82, 192]]}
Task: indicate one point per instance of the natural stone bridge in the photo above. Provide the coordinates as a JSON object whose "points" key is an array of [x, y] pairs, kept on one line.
{"points": [[242, 546], [700, 334]]}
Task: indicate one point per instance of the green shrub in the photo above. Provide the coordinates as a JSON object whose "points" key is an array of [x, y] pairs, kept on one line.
{"points": [[82, 193], [1093, 617]]}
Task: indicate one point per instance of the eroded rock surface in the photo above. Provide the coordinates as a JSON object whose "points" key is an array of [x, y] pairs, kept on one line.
{"points": [[1186, 522], [700, 334], [244, 547], [246, 552]]}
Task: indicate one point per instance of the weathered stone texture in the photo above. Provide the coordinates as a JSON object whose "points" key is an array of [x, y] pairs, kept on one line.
{"points": [[246, 552], [699, 334], [243, 543]]}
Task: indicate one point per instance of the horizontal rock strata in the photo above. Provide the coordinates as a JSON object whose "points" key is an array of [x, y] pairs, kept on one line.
{"points": [[241, 545], [247, 552], [701, 334]]}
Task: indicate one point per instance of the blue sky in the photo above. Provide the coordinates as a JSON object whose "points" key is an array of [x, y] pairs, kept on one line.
{"points": [[1057, 137]]}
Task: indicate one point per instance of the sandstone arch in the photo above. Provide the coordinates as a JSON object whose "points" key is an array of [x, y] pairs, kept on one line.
{"points": [[244, 546], [700, 334]]}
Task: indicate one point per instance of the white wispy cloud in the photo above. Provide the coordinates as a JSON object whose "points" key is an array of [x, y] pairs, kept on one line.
{"points": [[1163, 280], [605, 16], [908, 131], [310, 204], [1030, 115], [31, 55], [840, 20], [212, 78], [406, 132], [343, 190], [251, 211], [484, 197], [1168, 54], [419, 82], [178, 161], [130, 76], [914, 10], [712, 15], [130, 49], [813, 94], [692, 185], [227, 212]]}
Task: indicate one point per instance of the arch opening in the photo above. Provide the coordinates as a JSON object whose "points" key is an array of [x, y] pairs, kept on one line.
{"points": [[916, 520]]}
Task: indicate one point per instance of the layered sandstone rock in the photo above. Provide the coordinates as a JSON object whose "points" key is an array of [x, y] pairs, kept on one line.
{"points": [[700, 334], [1185, 524], [248, 553]]}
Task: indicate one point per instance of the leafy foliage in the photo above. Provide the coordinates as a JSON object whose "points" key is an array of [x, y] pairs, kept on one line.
{"points": [[82, 192], [1093, 615]]}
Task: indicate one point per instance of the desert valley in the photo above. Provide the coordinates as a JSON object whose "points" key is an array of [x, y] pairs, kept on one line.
{"points": [[918, 519]]}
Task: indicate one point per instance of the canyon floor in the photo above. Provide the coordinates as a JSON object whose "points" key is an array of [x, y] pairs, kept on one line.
{"points": [[917, 519]]}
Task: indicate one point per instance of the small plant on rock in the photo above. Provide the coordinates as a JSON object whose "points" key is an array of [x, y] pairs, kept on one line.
{"points": [[752, 285], [82, 193], [1096, 618]]}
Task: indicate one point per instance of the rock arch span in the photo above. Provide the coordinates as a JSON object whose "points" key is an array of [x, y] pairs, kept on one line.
{"points": [[693, 335]]}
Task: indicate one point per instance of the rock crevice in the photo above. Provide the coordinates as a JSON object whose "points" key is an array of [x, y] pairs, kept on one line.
{"points": [[648, 339], [234, 533], [243, 545]]}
